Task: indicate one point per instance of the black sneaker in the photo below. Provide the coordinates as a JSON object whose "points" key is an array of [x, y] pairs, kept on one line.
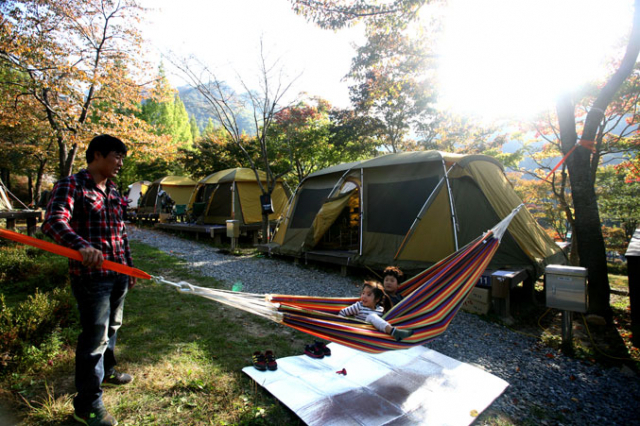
{"points": [[325, 350], [271, 360], [259, 361], [97, 417], [313, 351], [116, 379]]}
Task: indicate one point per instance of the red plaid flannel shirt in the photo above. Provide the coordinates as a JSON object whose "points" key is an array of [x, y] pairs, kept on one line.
{"points": [[80, 215]]}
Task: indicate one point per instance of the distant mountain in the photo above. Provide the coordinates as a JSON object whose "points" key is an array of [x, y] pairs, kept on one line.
{"points": [[198, 107]]}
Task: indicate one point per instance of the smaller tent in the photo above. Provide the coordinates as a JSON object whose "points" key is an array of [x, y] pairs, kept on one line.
{"points": [[136, 191], [178, 188], [234, 194]]}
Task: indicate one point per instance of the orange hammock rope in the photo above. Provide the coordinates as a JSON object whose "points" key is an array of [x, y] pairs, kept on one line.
{"points": [[70, 253]]}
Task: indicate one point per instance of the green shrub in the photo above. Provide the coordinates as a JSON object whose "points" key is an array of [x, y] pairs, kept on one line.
{"points": [[24, 269], [30, 333], [617, 267], [15, 263]]}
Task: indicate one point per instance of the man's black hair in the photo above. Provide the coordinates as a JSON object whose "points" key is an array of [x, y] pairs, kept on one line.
{"points": [[104, 144]]}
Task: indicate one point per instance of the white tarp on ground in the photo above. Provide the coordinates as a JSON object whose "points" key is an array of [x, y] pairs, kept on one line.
{"points": [[413, 386]]}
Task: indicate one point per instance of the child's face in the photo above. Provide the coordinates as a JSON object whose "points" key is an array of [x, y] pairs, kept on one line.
{"points": [[367, 298], [390, 284]]}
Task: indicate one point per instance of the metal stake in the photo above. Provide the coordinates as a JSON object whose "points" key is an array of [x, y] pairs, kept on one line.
{"points": [[567, 331]]}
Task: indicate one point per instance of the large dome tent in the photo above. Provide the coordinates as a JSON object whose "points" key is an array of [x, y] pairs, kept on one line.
{"points": [[411, 210]]}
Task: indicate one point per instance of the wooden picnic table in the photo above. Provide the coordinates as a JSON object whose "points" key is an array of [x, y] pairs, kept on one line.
{"points": [[32, 218]]}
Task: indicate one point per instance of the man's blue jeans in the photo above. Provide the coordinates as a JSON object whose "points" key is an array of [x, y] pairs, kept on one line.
{"points": [[101, 303]]}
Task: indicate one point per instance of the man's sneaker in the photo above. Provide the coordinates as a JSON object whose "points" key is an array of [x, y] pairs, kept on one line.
{"points": [[259, 361], [116, 379], [325, 350], [97, 417], [271, 360], [313, 351]]}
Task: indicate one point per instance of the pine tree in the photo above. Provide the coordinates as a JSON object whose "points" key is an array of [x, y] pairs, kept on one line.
{"points": [[195, 131], [181, 129]]}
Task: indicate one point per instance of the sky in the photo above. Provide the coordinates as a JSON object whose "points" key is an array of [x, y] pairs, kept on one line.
{"points": [[226, 35], [506, 58], [499, 58]]}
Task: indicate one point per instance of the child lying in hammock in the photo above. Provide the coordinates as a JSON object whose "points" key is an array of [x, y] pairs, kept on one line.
{"points": [[368, 309]]}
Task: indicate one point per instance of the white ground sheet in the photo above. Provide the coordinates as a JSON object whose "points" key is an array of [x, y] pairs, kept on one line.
{"points": [[405, 387]]}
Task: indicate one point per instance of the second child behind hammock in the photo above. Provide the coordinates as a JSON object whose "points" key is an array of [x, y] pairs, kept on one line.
{"points": [[368, 309]]}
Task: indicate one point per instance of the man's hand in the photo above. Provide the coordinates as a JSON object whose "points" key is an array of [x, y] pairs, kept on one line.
{"points": [[91, 257], [132, 282]]}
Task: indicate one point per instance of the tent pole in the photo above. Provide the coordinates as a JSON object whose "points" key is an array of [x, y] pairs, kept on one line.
{"points": [[155, 205], [453, 211], [419, 217], [361, 207], [3, 195], [339, 182]]}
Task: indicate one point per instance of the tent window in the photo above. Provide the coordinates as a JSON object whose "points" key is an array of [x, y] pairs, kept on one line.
{"points": [[309, 203], [392, 207], [221, 202]]}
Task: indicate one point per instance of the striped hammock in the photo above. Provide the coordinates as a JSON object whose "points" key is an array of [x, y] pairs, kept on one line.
{"points": [[431, 300]]}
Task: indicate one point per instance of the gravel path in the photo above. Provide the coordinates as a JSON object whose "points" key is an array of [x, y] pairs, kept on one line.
{"points": [[546, 387]]}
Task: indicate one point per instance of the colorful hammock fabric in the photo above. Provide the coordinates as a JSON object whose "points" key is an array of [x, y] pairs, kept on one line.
{"points": [[431, 300]]}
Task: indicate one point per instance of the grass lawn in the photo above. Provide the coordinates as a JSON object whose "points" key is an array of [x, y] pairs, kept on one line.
{"points": [[186, 354]]}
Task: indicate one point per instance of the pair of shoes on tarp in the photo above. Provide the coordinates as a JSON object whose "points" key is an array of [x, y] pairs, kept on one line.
{"points": [[317, 350], [264, 362]]}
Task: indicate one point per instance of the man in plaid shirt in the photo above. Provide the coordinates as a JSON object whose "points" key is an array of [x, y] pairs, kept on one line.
{"points": [[85, 213]]}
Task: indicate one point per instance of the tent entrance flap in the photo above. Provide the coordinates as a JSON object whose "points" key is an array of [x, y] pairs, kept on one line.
{"points": [[337, 224]]}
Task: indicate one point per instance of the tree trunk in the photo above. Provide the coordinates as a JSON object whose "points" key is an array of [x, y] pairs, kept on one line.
{"points": [[32, 200], [66, 157], [71, 157], [39, 174], [587, 231], [62, 156]]}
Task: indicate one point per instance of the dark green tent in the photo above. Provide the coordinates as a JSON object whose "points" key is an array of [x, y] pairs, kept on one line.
{"points": [[411, 210]]}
